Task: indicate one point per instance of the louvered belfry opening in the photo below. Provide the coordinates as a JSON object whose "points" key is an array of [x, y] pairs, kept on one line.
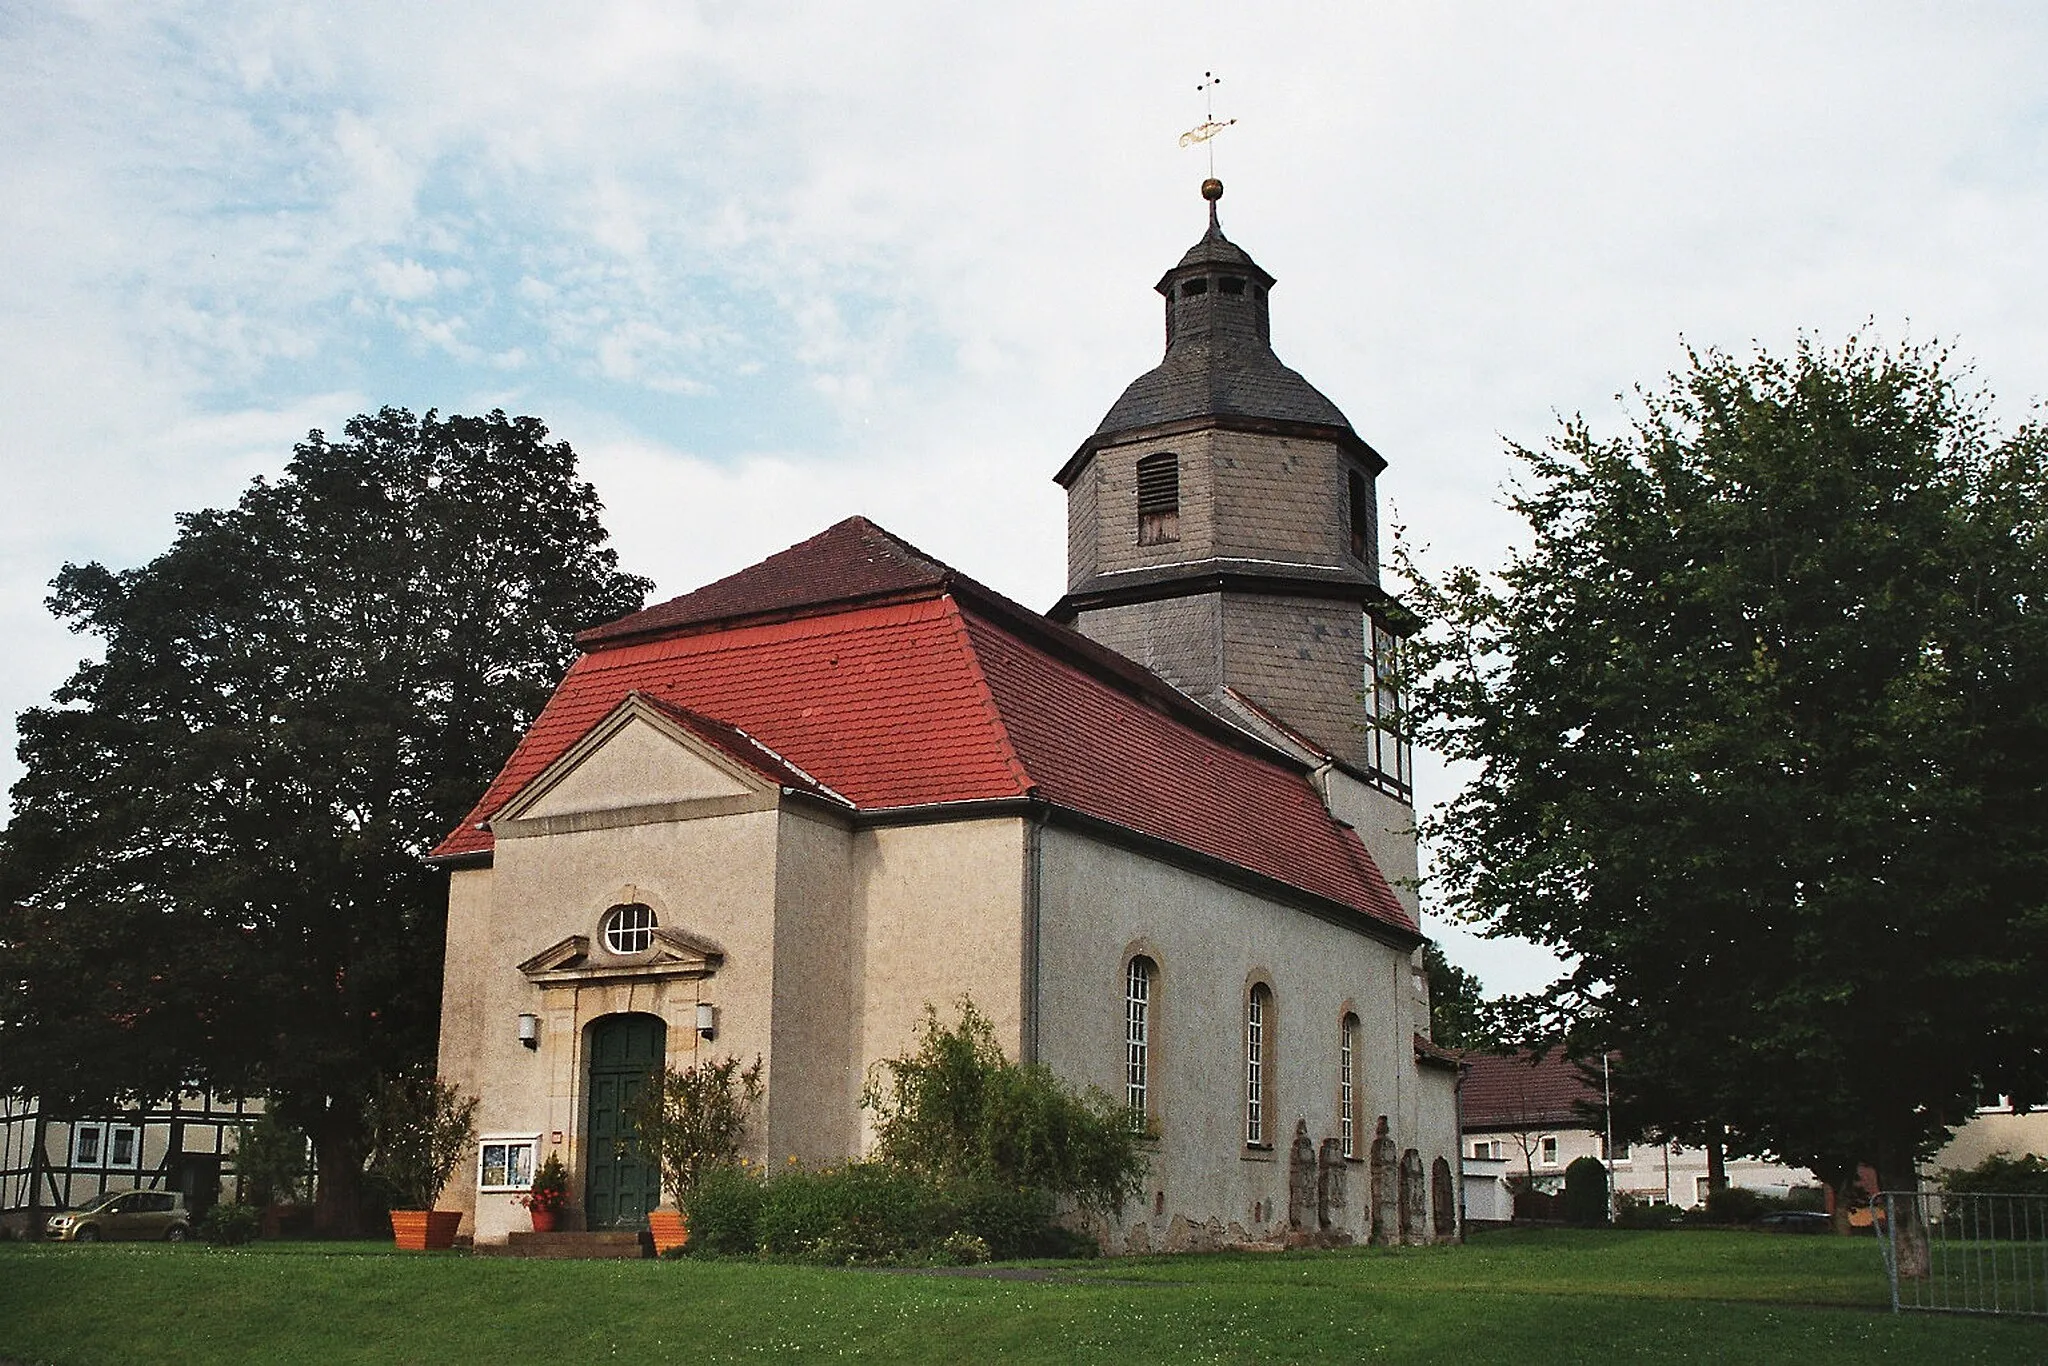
{"points": [[1159, 499], [1360, 517]]}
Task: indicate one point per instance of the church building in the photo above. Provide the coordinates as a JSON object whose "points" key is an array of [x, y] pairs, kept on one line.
{"points": [[1162, 836]]}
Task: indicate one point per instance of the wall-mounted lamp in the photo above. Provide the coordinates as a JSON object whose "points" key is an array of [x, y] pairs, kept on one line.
{"points": [[529, 1030], [707, 1020]]}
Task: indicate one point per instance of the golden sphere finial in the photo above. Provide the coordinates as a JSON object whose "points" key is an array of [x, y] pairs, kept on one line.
{"points": [[1212, 189]]}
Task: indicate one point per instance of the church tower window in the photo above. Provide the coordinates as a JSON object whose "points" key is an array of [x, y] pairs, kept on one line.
{"points": [[1360, 519], [629, 929], [1388, 749], [1159, 499]]}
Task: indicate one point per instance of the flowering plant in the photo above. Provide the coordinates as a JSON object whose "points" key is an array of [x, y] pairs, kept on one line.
{"points": [[550, 1191]]}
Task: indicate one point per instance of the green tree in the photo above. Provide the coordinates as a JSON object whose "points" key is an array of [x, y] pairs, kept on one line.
{"points": [[1757, 720], [1457, 1005], [212, 876]]}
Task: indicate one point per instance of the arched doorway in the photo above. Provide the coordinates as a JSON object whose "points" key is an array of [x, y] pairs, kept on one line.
{"points": [[618, 1186]]}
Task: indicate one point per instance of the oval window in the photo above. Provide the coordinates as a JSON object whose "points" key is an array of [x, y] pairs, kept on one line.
{"points": [[628, 929]]}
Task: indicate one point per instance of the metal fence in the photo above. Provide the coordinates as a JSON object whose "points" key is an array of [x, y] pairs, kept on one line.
{"points": [[1965, 1254]]}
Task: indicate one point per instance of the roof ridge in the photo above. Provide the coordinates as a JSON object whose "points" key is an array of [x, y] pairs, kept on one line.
{"points": [[958, 620], [852, 561]]}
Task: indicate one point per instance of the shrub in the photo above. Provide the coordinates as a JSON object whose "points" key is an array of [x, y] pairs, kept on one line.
{"points": [[1999, 1174], [1633, 1213], [692, 1120], [724, 1212], [420, 1127], [958, 1112], [1812, 1199], [1735, 1205], [871, 1212], [1585, 1192], [862, 1212], [964, 1249], [230, 1225]]}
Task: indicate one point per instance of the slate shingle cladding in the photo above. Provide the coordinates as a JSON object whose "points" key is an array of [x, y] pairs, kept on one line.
{"points": [[1219, 357]]}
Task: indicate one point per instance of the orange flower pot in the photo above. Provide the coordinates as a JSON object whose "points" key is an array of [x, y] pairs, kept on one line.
{"points": [[425, 1230], [669, 1228], [544, 1220]]}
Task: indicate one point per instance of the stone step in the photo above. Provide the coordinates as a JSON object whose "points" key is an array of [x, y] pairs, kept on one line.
{"points": [[613, 1243]]}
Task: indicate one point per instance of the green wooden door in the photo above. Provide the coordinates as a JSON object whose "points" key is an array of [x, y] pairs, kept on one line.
{"points": [[619, 1188]]}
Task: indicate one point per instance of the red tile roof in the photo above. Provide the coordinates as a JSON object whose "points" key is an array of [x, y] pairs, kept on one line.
{"points": [[921, 688], [1520, 1091], [850, 561]]}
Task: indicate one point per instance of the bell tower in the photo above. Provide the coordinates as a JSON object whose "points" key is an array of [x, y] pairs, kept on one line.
{"points": [[1223, 531]]}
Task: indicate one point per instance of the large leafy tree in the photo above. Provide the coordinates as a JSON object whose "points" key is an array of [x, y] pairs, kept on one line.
{"points": [[1458, 1017], [212, 876], [1758, 720]]}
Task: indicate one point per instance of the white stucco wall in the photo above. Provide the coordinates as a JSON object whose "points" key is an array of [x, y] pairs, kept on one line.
{"points": [[1210, 940], [712, 878]]}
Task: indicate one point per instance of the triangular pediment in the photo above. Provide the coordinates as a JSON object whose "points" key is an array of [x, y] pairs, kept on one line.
{"points": [[671, 954], [639, 755]]}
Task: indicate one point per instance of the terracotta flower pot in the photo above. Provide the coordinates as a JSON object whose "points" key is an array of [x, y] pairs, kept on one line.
{"points": [[544, 1220], [669, 1228], [425, 1230]]}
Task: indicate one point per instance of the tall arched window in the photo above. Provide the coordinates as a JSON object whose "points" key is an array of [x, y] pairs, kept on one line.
{"points": [[1258, 1066], [1140, 980], [1347, 1084], [1159, 499]]}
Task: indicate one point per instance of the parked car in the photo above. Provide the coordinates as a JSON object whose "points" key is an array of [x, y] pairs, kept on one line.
{"points": [[123, 1214], [1795, 1221]]}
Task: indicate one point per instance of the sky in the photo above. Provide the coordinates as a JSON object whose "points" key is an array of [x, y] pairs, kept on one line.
{"points": [[769, 265]]}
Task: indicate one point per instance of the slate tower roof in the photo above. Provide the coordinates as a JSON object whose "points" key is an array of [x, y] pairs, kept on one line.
{"points": [[1219, 360]]}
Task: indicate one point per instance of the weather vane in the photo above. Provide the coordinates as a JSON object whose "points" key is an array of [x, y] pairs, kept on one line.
{"points": [[1208, 128]]}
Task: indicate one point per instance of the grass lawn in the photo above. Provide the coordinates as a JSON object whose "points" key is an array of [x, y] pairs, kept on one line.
{"points": [[1516, 1297]]}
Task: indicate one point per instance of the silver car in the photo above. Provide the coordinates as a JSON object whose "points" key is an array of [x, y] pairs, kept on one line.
{"points": [[123, 1214]]}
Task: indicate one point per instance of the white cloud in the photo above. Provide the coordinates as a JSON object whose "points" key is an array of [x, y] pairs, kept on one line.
{"points": [[928, 237]]}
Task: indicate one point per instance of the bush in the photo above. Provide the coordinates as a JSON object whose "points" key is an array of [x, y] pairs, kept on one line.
{"points": [[862, 1212], [230, 1225], [1736, 1205], [1585, 1192], [1999, 1174], [693, 1120], [957, 1112], [420, 1127], [1633, 1213], [724, 1213], [870, 1213], [1812, 1199]]}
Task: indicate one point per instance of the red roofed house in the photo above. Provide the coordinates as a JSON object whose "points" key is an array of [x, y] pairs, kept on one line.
{"points": [[1162, 837], [1526, 1118]]}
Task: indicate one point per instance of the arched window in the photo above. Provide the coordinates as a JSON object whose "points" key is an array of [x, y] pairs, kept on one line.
{"points": [[1141, 980], [629, 929], [1347, 1093], [1258, 1066], [1159, 499], [1360, 520]]}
